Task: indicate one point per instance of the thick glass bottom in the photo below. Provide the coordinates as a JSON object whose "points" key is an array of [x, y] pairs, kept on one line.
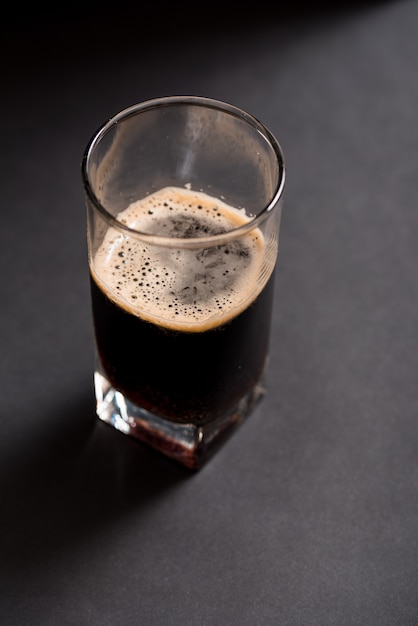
{"points": [[188, 444]]}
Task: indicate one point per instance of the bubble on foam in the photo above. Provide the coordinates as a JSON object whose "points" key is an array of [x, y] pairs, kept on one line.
{"points": [[180, 288]]}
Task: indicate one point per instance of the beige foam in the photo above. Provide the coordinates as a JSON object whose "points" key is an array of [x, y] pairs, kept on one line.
{"points": [[189, 290]]}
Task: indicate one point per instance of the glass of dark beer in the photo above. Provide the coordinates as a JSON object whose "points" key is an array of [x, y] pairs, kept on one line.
{"points": [[184, 198]]}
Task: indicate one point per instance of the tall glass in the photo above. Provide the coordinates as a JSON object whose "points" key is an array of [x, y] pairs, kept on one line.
{"points": [[183, 199]]}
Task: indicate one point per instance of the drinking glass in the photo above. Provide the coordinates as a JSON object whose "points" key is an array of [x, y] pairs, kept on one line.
{"points": [[183, 199]]}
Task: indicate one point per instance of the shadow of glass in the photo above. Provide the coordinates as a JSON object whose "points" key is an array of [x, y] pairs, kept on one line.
{"points": [[70, 480]]}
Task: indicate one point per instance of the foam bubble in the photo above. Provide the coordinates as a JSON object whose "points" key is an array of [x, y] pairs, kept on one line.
{"points": [[182, 289]]}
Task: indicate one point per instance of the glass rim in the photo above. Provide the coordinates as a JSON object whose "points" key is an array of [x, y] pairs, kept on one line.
{"points": [[192, 242]]}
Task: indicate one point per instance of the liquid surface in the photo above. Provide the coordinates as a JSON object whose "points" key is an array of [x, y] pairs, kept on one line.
{"points": [[189, 290]]}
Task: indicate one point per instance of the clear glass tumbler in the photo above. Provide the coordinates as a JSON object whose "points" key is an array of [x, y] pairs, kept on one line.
{"points": [[183, 198]]}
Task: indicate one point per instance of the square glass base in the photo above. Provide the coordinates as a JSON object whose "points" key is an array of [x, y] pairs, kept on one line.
{"points": [[188, 444]]}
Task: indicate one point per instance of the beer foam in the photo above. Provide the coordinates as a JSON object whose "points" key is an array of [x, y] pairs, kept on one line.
{"points": [[182, 289]]}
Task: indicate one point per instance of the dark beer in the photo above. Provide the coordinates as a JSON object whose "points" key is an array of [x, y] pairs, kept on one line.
{"points": [[183, 334]]}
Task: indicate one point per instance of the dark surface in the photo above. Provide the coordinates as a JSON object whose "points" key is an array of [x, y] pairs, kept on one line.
{"points": [[309, 514]]}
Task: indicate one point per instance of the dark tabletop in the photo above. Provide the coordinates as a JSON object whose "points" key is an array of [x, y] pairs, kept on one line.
{"points": [[309, 513]]}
